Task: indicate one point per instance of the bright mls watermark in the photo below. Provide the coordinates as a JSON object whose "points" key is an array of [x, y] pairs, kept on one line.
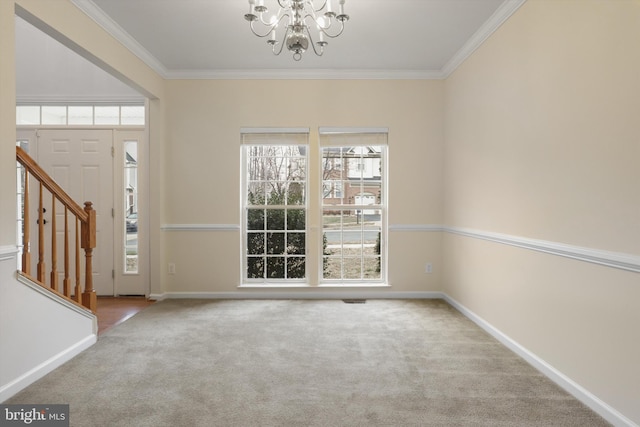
{"points": [[34, 415]]}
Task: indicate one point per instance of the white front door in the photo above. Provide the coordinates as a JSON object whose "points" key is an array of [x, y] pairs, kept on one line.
{"points": [[81, 162]]}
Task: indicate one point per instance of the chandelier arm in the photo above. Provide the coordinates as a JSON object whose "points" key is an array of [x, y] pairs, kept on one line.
{"points": [[253, 30], [269, 27], [284, 37], [333, 36], [325, 30], [278, 17], [324, 3], [313, 44]]}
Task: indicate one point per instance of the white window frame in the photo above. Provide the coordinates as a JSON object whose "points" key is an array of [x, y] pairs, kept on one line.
{"points": [[251, 137], [351, 137]]}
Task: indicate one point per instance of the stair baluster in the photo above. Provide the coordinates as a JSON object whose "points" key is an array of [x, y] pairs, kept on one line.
{"points": [[85, 236]]}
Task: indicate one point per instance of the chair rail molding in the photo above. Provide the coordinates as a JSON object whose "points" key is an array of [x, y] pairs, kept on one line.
{"points": [[617, 260], [200, 227]]}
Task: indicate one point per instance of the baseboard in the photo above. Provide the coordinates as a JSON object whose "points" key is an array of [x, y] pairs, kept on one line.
{"points": [[576, 390], [288, 294], [44, 368]]}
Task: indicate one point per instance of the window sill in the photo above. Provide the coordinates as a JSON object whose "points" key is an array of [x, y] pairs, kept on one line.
{"points": [[307, 286]]}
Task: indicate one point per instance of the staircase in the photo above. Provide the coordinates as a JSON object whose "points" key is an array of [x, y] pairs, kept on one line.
{"points": [[77, 231]]}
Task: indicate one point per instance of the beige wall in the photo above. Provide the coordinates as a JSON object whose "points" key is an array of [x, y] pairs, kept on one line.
{"points": [[204, 119], [542, 141], [7, 126]]}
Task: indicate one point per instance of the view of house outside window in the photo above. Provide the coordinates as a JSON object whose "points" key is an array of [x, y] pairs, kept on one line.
{"points": [[353, 208]]}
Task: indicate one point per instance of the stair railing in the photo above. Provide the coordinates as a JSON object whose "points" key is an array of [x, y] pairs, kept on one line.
{"points": [[84, 235]]}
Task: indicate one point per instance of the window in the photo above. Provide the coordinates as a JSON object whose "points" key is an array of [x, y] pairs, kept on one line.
{"points": [[274, 206], [132, 115], [353, 206], [131, 206]]}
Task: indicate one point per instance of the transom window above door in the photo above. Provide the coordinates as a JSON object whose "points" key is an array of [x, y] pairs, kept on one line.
{"points": [[72, 115]]}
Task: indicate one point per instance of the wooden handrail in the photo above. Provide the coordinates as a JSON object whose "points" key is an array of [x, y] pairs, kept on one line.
{"points": [[34, 169], [85, 236]]}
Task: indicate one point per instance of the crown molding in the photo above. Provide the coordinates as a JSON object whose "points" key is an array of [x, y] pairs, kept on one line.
{"points": [[305, 74], [504, 12], [110, 26], [115, 30]]}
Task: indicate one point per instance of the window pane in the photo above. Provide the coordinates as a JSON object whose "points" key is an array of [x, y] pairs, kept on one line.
{"points": [[371, 268], [54, 115], [255, 243], [132, 115], [332, 268], [275, 268], [28, 115], [352, 268], [275, 219], [295, 193], [131, 206], [255, 219], [80, 115], [107, 115], [296, 243], [275, 243], [296, 268], [255, 267], [296, 219]]}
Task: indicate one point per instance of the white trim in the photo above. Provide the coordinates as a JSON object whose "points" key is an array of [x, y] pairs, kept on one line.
{"points": [[610, 259], [573, 388], [115, 30], [622, 261], [416, 227], [200, 227], [341, 130], [293, 294], [315, 74], [247, 130], [45, 367], [504, 12], [85, 312], [99, 100], [8, 252]]}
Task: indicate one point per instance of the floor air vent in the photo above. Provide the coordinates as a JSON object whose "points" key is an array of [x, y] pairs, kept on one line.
{"points": [[354, 301]]}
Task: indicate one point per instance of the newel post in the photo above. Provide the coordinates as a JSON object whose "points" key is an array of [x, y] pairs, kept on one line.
{"points": [[88, 231]]}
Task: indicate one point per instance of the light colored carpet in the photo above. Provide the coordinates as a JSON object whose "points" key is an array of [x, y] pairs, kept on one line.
{"points": [[304, 363]]}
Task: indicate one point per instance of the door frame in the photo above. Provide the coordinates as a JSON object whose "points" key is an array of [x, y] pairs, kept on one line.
{"points": [[120, 133]]}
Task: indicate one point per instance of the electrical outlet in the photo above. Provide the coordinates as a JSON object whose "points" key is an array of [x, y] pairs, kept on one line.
{"points": [[172, 268], [428, 268]]}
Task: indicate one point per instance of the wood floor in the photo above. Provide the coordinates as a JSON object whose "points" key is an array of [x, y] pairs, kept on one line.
{"points": [[114, 310]]}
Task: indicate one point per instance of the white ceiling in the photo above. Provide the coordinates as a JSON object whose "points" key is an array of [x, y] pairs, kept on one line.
{"points": [[211, 39]]}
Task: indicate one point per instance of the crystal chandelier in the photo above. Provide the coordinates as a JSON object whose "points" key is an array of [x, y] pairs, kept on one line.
{"points": [[297, 24]]}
